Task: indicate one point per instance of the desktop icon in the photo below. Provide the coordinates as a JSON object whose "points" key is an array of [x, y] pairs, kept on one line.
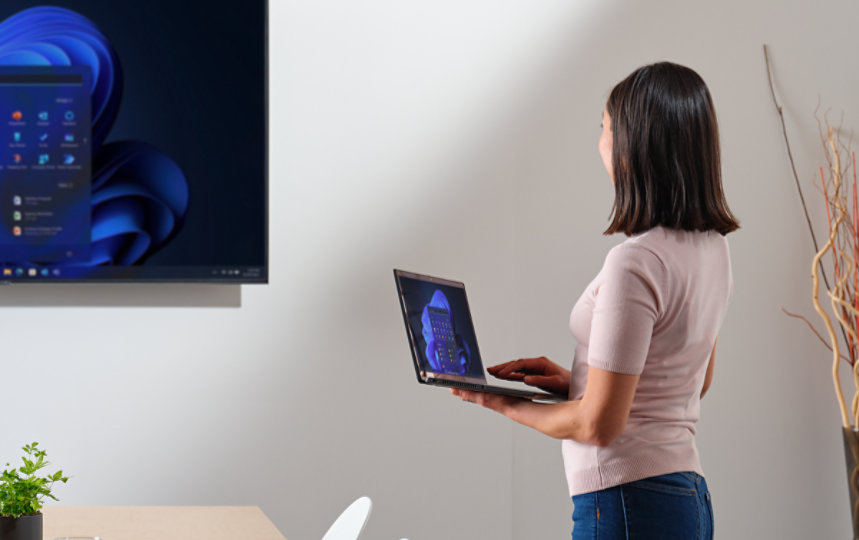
{"points": [[19, 272], [45, 272], [68, 159], [16, 200], [16, 215], [44, 158], [16, 231], [17, 116], [31, 272], [43, 116], [56, 272], [18, 158], [43, 137], [7, 272], [16, 136], [70, 115], [69, 137]]}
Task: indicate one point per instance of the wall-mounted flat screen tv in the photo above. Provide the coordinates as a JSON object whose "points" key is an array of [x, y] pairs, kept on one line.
{"points": [[133, 141]]}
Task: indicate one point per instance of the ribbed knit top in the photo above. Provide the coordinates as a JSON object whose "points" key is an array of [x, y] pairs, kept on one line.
{"points": [[654, 310]]}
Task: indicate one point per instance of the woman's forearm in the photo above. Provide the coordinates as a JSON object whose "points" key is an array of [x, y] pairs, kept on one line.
{"points": [[566, 420], [598, 418]]}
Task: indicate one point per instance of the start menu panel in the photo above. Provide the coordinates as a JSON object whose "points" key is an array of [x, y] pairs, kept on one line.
{"points": [[45, 169]]}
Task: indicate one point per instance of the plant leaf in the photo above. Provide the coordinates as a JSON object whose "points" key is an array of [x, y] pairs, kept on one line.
{"points": [[23, 495]]}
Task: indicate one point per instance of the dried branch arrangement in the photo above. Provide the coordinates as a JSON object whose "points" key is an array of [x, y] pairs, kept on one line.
{"points": [[838, 184], [843, 245]]}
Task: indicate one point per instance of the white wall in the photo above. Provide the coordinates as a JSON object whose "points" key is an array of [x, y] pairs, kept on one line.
{"points": [[458, 139]]}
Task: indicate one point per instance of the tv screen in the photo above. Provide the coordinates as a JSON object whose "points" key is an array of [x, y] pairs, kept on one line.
{"points": [[133, 141]]}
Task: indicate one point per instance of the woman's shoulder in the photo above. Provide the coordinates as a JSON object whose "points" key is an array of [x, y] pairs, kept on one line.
{"points": [[674, 249], [637, 253], [642, 246], [661, 240]]}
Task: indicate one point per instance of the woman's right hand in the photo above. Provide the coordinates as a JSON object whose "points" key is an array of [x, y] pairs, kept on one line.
{"points": [[540, 372]]}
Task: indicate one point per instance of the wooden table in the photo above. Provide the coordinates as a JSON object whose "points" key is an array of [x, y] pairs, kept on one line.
{"points": [[159, 523]]}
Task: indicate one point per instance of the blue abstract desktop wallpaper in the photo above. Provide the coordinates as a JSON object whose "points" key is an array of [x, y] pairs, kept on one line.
{"points": [[438, 317], [162, 172]]}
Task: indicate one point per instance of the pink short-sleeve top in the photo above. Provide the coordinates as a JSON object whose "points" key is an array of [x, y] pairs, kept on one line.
{"points": [[654, 310]]}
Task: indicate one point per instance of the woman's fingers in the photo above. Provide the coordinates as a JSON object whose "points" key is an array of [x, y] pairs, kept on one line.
{"points": [[518, 369], [539, 372], [500, 367], [509, 375], [537, 380]]}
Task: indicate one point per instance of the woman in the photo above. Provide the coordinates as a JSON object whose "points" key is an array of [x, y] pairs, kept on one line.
{"points": [[647, 325]]}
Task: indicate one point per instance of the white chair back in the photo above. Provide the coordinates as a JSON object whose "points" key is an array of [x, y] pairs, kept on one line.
{"points": [[351, 522]]}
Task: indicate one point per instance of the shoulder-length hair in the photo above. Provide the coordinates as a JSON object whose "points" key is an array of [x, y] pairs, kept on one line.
{"points": [[665, 153]]}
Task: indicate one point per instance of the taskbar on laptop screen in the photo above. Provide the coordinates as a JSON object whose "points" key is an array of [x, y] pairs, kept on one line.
{"points": [[23, 273]]}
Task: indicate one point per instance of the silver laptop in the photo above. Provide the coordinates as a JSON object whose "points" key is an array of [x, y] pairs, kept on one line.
{"points": [[442, 339]]}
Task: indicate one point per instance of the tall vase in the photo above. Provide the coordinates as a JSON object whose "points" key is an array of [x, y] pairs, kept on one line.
{"points": [[851, 453]]}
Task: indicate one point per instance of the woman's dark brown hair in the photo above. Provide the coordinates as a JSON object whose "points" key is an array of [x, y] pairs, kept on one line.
{"points": [[665, 153]]}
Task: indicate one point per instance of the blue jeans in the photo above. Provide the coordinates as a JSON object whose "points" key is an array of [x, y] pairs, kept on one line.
{"points": [[673, 506]]}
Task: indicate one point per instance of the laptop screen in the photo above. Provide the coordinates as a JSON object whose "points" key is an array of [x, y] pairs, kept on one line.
{"points": [[440, 326]]}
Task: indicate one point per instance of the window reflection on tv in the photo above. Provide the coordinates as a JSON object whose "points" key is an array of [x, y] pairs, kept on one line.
{"points": [[133, 141]]}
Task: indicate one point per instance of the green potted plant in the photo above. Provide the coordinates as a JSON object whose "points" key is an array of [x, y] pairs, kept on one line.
{"points": [[22, 492]]}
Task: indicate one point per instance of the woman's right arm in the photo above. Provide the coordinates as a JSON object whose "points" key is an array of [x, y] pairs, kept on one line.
{"points": [[540, 372]]}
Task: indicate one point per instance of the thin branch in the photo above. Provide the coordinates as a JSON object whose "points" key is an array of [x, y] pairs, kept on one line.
{"points": [[795, 175], [816, 333], [793, 165]]}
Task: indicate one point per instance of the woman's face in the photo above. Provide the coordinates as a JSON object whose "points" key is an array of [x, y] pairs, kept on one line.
{"points": [[605, 143]]}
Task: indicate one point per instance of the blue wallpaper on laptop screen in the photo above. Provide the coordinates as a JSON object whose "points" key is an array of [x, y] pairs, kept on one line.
{"points": [[440, 321]]}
